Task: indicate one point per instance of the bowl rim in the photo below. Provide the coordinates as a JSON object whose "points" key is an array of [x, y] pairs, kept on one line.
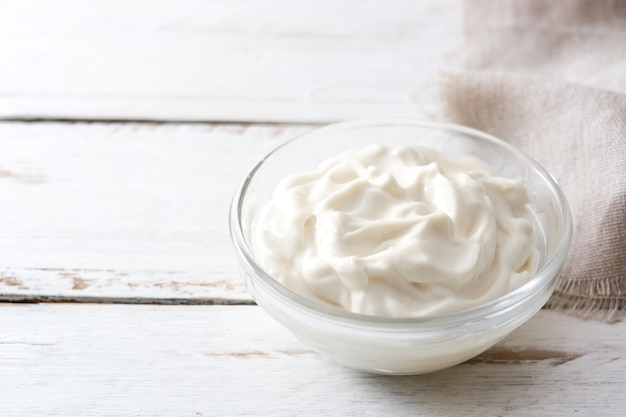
{"points": [[544, 277]]}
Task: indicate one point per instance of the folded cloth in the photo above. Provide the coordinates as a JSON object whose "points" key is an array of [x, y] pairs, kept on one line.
{"points": [[550, 78]]}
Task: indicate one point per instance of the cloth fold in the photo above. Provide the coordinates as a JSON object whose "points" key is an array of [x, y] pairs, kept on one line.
{"points": [[550, 78]]}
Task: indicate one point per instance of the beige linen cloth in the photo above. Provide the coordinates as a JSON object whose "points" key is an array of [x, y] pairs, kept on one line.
{"points": [[549, 76]]}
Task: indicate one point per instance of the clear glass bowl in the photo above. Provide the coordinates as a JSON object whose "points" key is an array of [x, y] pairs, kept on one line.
{"points": [[401, 345]]}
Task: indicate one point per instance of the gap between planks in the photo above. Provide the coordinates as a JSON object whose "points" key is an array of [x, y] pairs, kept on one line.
{"points": [[158, 122], [36, 299]]}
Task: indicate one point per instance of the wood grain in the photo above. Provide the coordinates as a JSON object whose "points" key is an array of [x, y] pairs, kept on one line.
{"points": [[136, 213], [265, 60], [110, 211], [77, 360]]}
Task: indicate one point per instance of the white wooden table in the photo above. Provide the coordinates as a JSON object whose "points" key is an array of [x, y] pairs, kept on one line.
{"points": [[119, 292]]}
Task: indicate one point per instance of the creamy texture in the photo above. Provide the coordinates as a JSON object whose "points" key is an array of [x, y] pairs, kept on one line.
{"points": [[398, 231]]}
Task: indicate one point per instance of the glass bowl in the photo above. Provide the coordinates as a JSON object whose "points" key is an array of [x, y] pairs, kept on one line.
{"points": [[401, 345]]}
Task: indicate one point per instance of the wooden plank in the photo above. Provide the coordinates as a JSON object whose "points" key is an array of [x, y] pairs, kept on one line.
{"points": [[77, 360], [265, 60], [123, 210]]}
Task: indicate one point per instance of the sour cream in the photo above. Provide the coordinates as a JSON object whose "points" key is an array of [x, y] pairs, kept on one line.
{"points": [[398, 232]]}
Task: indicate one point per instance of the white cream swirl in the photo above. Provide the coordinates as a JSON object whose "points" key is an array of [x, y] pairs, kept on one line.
{"points": [[399, 232]]}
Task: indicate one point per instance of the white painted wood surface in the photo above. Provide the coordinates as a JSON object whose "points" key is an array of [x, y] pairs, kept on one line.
{"points": [[123, 210], [241, 60], [131, 213], [82, 360]]}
